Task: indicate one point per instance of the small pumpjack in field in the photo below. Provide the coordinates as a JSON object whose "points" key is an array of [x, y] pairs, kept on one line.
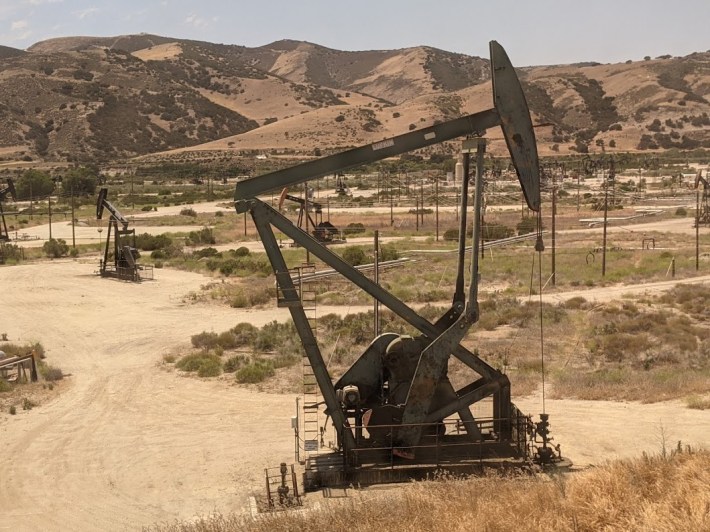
{"points": [[395, 413], [323, 231], [125, 257], [8, 190]]}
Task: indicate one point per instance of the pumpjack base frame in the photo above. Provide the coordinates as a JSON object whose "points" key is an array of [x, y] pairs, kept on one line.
{"points": [[328, 471]]}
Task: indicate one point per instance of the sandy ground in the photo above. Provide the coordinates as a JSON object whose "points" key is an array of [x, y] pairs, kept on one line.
{"points": [[129, 443]]}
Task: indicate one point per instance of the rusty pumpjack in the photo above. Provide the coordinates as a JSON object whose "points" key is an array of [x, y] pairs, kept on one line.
{"points": [[323, 231], [391, 410], [6, 191], [125, 265]]}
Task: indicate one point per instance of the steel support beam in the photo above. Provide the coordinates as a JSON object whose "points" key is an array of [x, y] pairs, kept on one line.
{"points": [[298, 315], [475, 123]]}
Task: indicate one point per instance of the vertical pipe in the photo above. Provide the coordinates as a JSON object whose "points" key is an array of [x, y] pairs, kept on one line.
{"points": [[49, 209], [477, 203], [459, 292]]}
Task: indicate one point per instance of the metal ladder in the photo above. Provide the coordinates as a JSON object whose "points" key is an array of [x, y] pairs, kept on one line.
{"points": [[311, 427], [304, 295]]}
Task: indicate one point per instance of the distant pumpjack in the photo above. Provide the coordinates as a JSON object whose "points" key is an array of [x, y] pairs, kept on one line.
{"points": [[9, 190], [125, 265]]}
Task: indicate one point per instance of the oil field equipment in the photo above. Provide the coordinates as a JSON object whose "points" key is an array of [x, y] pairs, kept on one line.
{"points": [[395, 413], [125, 257], [323, 231], [8, 190]]}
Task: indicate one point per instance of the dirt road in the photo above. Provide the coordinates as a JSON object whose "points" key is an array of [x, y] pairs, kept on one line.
{"points": [[129, 444]]}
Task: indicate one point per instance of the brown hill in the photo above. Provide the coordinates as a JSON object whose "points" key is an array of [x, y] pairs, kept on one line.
{"points": [[88, 97]]}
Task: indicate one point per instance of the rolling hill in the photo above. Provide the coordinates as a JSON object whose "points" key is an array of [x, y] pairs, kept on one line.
{"points": [[91, 98]]}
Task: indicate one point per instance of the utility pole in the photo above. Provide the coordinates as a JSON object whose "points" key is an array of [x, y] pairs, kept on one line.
{"points": [[49, 210], [554, 213], [697, 230], [377, 281], [436, 201], [606, 208], [73, 236]]}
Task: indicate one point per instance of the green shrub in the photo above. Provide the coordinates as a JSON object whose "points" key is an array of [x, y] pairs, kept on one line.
{"points": [[203, 236], [205, 340], [189, 212], [5, 386], [147, 208], [241, 251], [51, 373], [27, 404], [13, 410], [681, 211], [210, 367], [388, 252], [235, 362], [55, 248], [196, 361], [354, 228], [354, 255], [257, 371]]}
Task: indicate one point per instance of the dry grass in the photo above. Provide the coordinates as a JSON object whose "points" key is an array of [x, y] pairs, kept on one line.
{"points": [[625, 384], [667, 492]]}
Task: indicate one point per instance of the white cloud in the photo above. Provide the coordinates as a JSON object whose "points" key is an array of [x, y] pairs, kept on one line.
{"points": [[82, 14], [40, 2], [18, 25], [197, 22]]}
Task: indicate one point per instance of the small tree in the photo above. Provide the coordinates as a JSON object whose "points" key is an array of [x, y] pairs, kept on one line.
{"points": [[81, 181], [34, 184]]}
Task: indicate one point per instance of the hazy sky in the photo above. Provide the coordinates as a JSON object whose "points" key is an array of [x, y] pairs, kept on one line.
{"points": [[533, 32]]}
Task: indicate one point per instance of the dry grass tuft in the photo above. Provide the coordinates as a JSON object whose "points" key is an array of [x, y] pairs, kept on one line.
{"points": [[649, 493]]}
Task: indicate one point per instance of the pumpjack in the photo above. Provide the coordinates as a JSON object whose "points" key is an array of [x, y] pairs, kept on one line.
{"points": [[395, 413], [6, 191], [323, 231], [125, 257]]}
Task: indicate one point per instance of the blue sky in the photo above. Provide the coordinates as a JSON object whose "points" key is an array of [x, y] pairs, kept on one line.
{"points": [[533, 32]]}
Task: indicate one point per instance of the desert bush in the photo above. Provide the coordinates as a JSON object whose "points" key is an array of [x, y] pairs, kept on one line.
{"points": [[235, 362], [204, 340], [203, 236], [55, 248], [354, 228], [210, 367], [256, 371], [388, 252], [354, 255], [195, 362], [5, 386], [28, 404], [188, 211], [13, 410], [51, 373]]}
